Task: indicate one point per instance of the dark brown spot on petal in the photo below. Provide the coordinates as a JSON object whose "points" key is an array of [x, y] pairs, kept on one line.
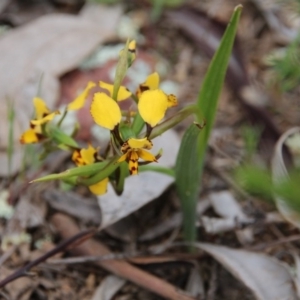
{"points": [[144, 88], [133, 160], [40, 137]]}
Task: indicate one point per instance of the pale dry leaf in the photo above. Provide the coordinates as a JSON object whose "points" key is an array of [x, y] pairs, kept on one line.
{"points": [[74, 205], [142, 188], [279, 173], [195, 284], [297, 273], [217, 225], [139, 190], [169, 142], [226, 206], [43, 50], [108, 288], [266, 277], [6, 210]]}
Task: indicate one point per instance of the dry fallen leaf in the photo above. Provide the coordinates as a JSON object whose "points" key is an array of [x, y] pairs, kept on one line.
{"points": [[279, 173], [268, 278], [297, 273], [233, 217], [43, 50], [108, 288], [85, 209], [139, 190]]}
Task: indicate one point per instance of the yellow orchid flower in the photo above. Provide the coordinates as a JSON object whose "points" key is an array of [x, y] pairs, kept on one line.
{"points": [[123, 92], [88, 156], [79, 101], [42, 115], [133, 149]]}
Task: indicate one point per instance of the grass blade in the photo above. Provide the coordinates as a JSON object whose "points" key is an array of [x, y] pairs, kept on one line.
{"points": [[190, 160]]}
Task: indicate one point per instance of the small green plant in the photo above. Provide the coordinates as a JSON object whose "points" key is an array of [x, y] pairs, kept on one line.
{"points": [[285, 66], [132, 133]]}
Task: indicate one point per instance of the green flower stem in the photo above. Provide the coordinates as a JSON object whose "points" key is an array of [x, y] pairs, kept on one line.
{"points": [[122, 174], [62, 117], [121, 70], [174, 120], [158, 169], [138, 124], [135, 98]]}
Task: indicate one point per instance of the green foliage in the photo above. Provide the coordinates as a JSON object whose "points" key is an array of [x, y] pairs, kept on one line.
{"points": [[286, 66], [289, 190], [187, 175], [75, 172], [255, 180], [251, 138], [190, 160], [258, 182]]}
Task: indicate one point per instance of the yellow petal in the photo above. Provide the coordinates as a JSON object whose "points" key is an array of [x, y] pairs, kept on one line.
{"points": [[152, 106], [152, 81], [45, 119], [123, 92], [172, 100], [79, 101], [41, 110], [29, 137], [99, 188], [133, 163], [139, 143], [122, 158], [88, 155], [145, 155], [105, 111]]}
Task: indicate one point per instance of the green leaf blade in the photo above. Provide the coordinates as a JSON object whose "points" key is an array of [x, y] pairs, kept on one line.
{"points": [[214, 78], [78, 171], [191, 156], [187, 179]]}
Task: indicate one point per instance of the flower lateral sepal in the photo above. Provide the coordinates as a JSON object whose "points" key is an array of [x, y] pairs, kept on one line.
{"points": [[89, 156]]}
